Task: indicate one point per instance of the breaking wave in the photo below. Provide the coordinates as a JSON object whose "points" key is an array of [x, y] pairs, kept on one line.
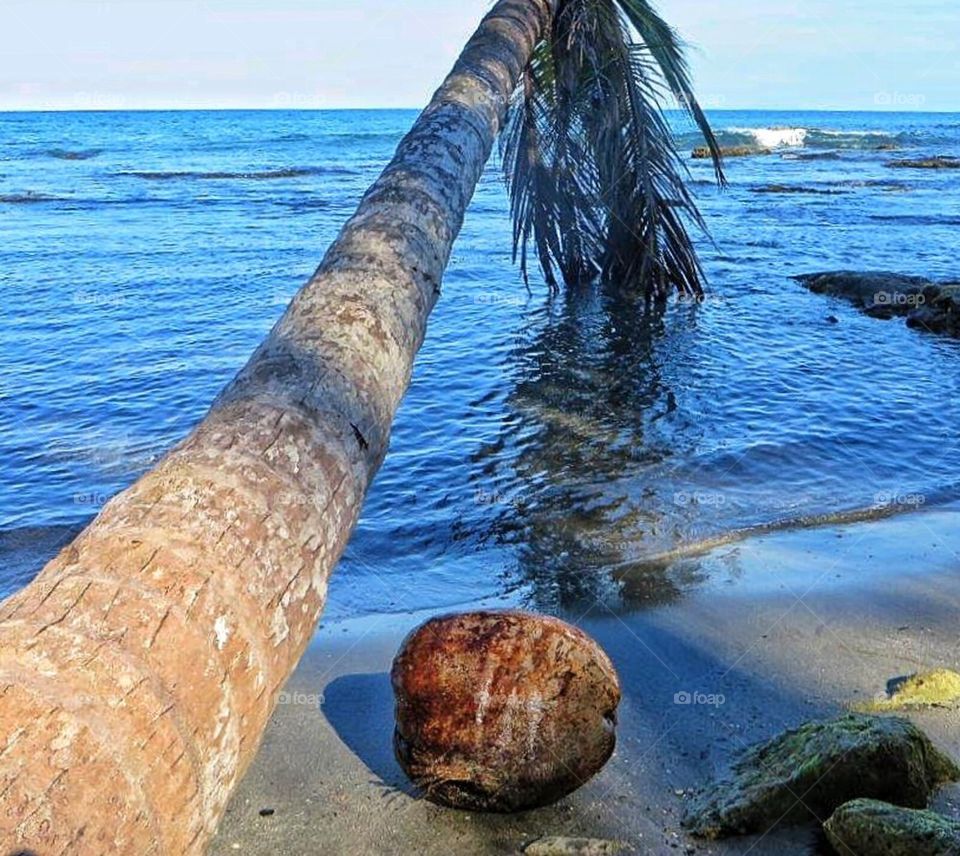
{"points": [[792, 139], [773, 138]]}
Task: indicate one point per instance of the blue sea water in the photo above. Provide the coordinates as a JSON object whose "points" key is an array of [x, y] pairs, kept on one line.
{"points": [[543, 442]]}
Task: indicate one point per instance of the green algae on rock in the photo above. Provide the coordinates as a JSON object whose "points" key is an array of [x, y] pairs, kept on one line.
{"points": [[866, 827], [563, 846], [936, 688], [806, 773], [703, 152]]}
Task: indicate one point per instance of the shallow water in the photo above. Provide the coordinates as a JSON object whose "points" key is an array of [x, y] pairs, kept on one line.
{"points": [[543, 444]]}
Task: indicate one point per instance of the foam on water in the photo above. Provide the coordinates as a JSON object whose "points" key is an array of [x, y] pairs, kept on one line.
{"points": [[771, 138]]}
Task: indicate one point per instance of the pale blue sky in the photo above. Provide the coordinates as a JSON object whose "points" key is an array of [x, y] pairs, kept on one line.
{"points": [[830, 54]]}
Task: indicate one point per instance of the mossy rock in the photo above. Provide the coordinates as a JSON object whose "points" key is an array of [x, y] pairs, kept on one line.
{"points": [[874, 828], [936, 688], [564, 846], [806, 773], [703, 153]]}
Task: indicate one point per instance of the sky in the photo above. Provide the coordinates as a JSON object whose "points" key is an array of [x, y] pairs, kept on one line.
{"points": [[155, 54]]}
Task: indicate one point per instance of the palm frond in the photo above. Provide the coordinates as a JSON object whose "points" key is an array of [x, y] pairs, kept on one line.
{"points": [[594, 176]]}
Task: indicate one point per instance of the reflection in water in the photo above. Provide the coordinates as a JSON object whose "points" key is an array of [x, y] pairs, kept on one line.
{"points": [[594, 425]]}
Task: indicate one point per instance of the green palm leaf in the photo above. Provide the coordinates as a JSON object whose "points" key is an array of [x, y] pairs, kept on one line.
{"points": [[594, 175]]}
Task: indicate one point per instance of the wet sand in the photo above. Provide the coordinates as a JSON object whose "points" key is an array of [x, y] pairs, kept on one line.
{"points": [[785, 627]]}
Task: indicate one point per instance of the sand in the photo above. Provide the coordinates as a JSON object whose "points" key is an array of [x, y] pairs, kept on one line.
{"points": [[781, 629]]}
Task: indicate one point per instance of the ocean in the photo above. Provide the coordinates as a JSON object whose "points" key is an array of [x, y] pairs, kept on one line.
{"points": [[546, 444]]}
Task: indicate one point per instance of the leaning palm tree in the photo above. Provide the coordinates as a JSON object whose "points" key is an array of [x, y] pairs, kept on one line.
{"points": [[138, 671]]}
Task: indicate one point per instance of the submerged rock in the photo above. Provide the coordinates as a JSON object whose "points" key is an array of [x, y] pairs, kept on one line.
{"points": [[703, 153], [936, 688], [872, 828], [927, 305], [939, 162], [563, 846], [794, 188], [876, 292], [808, 772], [502, 711]]}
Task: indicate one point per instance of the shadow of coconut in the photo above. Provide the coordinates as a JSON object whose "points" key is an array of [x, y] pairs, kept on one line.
{"points": [[351, 703]]}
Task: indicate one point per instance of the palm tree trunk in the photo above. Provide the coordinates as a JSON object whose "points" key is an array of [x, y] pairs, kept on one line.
{"points": [[137, 673]]}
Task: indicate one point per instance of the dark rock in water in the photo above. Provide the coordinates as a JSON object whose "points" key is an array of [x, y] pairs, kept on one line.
{"points": [[939, 162], [941, 311], [794, 188], [930, 306], [703, 153], [65, 154], [812, 156], [562, 846], [832, 319], [879, 293], [872, 828], [502, 711], [809, 772]]}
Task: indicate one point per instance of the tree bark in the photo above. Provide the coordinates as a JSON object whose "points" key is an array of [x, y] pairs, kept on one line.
{"points": [[138, 671]]}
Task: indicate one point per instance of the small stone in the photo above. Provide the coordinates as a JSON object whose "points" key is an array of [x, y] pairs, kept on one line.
{"points": [[811, 770], [879, 829], [562, 846], [267, 812], [502, 711]]}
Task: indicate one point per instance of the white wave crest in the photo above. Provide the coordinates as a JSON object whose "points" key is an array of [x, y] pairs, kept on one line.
{"points": [[772, 138]]}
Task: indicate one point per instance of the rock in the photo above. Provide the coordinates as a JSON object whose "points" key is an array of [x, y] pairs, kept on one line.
{"points": [[930, 306], [794, 188], [560, 846], [703, 153], [872, 828], [502, 711], [936, 688], [879, 293], [810, 771], [939, 162]]}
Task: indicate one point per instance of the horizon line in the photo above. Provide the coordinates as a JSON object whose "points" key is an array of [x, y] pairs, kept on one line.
{"points": [[262, 109]]}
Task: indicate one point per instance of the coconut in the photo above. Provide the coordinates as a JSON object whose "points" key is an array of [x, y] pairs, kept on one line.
{"points": [[502, 710]]}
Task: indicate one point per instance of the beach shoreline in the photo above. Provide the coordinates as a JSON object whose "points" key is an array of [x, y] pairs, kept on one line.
{"points": [[783, 628]]}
